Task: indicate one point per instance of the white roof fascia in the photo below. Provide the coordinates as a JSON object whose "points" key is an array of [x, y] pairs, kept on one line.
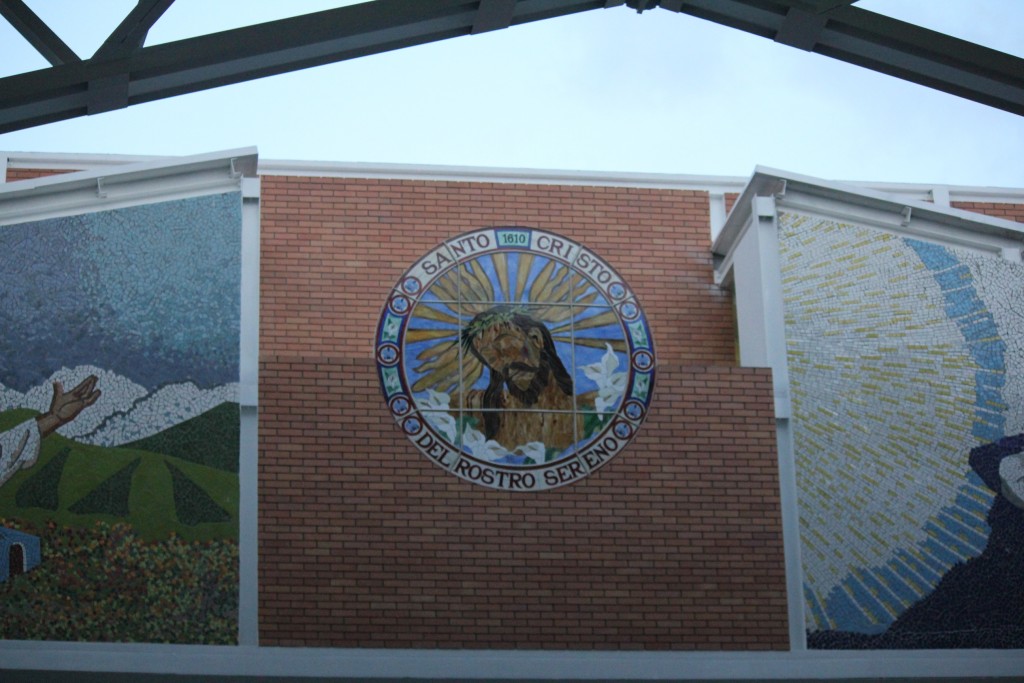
{"points": [[100, 189], [710, 183], [737, 224], [707, 183], [716, 185], [935, 193], [73, 161], [846, 202]]}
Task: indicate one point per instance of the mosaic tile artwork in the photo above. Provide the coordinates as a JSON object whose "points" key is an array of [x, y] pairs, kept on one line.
{"points": [[907, 370], [515, 359], [119, 424]]}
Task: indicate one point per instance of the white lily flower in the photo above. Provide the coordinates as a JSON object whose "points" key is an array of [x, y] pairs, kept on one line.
{"points": [[434, 403], [534, 450], [481, 447], [610, 384], [436, 400]]}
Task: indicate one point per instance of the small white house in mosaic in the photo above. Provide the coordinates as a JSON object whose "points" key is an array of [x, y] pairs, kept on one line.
{"points": [[19, 553]]}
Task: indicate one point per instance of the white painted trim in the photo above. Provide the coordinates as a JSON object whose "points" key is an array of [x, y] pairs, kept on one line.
{"points": [[250, 304], [789, 505], [940, 196], [951, 193], [391, 171], [248, 460], [111, 188], [101, 164], [248, 527], [939, 193], [717, 213], [905, 222], [504, 664], [719, 184], [870, 207], [77, 162], [872, 195], [770, 291]]}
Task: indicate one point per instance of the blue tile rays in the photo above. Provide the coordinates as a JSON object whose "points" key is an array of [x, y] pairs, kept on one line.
{"points": [[917, 367]]}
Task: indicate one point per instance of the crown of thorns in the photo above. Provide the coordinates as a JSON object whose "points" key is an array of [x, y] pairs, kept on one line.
{"points": [[499, 315]]}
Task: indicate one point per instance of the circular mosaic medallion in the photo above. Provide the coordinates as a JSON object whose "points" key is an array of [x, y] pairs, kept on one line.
{"points": [[515, 358]]}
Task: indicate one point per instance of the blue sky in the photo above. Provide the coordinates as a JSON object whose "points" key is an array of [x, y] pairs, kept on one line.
{"points": [[607, 90]]}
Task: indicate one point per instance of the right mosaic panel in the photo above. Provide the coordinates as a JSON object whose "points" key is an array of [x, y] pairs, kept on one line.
{"points": [[906, 361]]}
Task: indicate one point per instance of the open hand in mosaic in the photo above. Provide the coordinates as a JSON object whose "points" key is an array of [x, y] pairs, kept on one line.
{"points": [[65, 407], [19, 447]]}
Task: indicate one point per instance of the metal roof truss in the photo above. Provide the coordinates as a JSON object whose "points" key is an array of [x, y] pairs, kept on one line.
{"points": [[124, 72]]}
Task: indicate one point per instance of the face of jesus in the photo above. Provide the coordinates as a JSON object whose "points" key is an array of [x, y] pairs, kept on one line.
{"points": [[512, 352]]}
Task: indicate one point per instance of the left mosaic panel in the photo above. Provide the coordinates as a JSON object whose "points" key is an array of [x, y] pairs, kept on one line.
{"points": [[119, 424]]}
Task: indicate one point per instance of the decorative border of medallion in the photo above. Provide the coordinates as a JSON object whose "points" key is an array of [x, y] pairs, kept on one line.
{"points": [[515, 358]]}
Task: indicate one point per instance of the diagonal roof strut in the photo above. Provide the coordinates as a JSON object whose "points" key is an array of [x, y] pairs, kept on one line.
{"points": [[131, 32], [37, 32]]}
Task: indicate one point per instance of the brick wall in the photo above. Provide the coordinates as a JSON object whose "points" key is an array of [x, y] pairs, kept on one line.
{"points": [[675, 544], [332, 249], [1009, 212], [15, 174]]}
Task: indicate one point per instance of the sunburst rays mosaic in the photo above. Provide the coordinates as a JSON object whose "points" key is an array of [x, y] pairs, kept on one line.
{"points": [[515, 358], [905, 361]]}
